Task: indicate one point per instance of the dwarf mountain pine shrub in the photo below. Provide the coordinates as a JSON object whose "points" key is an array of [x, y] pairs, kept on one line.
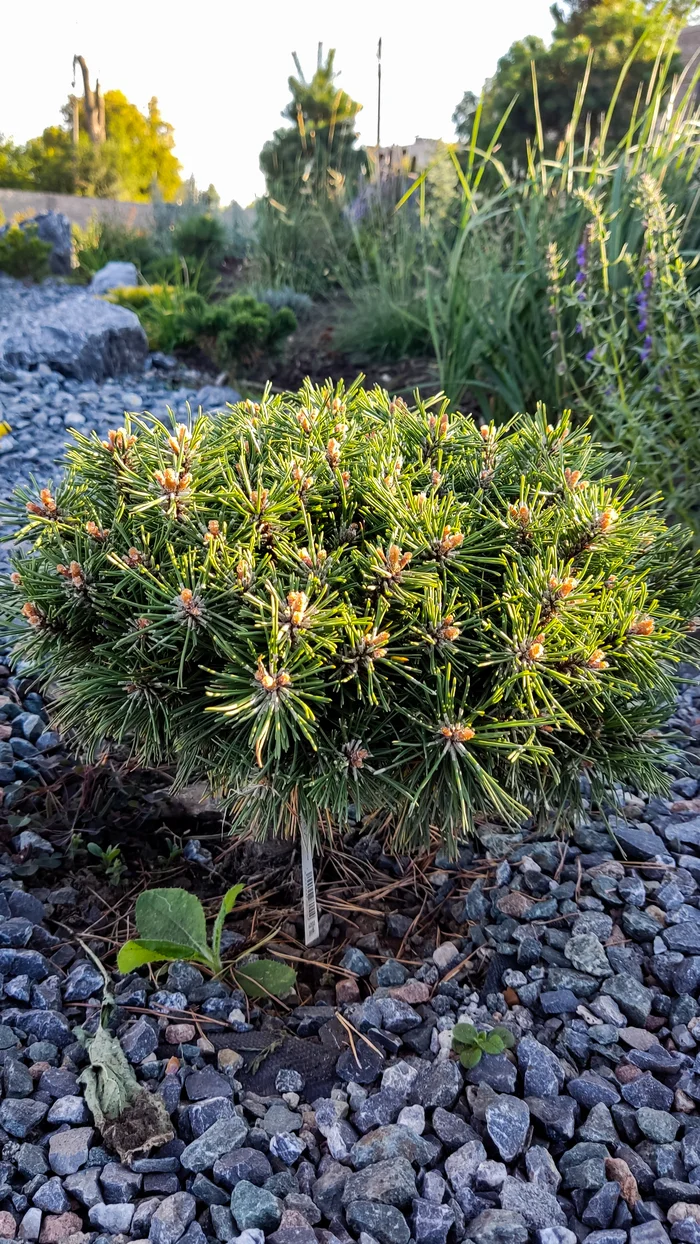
{"points": [[23, 253], [335, 605], [233, 331]]}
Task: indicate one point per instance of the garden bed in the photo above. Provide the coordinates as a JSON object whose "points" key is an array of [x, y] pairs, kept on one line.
{"points": [[340, 1110]]}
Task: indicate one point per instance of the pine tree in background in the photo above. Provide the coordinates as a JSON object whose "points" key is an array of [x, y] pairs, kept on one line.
{"points": [[333, 601], [317, 157]]}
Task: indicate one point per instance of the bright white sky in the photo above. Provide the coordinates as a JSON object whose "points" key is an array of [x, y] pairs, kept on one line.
{"points": [[219, 67]]}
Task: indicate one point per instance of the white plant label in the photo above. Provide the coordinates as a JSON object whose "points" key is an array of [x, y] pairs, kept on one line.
{"points": [[311, 930]]}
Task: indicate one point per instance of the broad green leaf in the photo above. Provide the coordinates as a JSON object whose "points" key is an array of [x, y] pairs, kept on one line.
{"points": [[95, 849], [492, 1043], [174, 916], [265, 977], [228, 903], [506, 1036], [135, 953], [469, 1058], [466, 1034]]}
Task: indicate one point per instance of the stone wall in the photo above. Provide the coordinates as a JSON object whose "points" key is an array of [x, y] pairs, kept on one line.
{"points": [[79, 209]]}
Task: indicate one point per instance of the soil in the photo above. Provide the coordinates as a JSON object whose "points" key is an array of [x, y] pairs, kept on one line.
{"points": [[111, 805], [311, 351]]}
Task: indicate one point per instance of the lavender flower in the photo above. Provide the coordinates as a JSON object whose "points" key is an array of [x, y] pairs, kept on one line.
{"points": [[642, 300], [582, 263], [590, 357]]}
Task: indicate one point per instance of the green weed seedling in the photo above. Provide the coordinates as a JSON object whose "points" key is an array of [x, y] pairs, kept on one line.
{"points": [[470, 1043], [172, 925], [110, 859]]}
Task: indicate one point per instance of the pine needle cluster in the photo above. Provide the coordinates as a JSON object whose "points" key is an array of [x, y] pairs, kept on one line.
{"points": [[334, 605]]}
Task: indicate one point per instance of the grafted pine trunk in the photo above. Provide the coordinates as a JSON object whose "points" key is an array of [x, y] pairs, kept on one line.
{"points": [[94, 105]]}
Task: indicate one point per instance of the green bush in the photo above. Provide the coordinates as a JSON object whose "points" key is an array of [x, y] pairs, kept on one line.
{"points": [[23, 254], [103, 241], [136, 297], [201, 240], [301, 304], [232, 331], [335, 606]]}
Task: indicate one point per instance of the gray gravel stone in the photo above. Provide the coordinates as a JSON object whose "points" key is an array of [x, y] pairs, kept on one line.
{"points": [[112, 1218], [384, 1223], [392, 1142], [498, 1226], [431, 1223], [224, 1136], [537, 1206], [68, 1151], [51, 1197], [19, 1115], [392, 1182], [508, 1123], [439, 1085], [255, 1207], [172, 1218]]}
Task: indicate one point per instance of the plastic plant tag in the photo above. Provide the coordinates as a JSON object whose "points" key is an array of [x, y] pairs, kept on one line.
{"points": [[311, 930]]}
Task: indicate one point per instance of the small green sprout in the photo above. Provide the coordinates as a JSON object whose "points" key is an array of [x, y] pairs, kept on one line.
{"points": [[470, 1043], [110, 859]]}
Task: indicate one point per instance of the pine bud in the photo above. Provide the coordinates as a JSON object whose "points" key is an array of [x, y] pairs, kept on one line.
{"points": [[33, 614], [607, 519], [642, 626], [535, 650], [97, 533], [46, 508], [456, 735], [597, 661]]}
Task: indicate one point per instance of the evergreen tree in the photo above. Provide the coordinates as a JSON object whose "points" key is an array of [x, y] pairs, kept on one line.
{"points": [[317, 157], [609, 29]]}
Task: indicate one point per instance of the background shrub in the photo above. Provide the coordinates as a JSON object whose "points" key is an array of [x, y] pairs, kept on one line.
{"points": [[103, 241], [331, 601], [23, 254], [201, 240], [285, 296], [232, 331]]}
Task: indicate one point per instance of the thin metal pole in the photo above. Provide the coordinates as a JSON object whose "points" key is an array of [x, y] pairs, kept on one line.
{"points": [[379, 90]]}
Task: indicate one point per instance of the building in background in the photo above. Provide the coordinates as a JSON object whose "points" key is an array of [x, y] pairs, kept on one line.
{"points": [[407, 161]]}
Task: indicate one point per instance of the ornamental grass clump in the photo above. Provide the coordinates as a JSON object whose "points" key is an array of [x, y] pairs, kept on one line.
{"points": [[337, 607]]}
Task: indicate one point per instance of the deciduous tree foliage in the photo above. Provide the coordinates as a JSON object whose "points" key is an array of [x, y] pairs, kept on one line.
{"points": [[136, 157], [610, 29]]}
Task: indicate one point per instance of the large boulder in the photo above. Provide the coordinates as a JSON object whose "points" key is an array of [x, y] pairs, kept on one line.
{"points": [[55, 228], [117, 274], [79, 335], [215, 397]]}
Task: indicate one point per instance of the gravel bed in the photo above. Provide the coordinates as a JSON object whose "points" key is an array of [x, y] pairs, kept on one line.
{"points": [[348, 1117], [42, 406]]}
